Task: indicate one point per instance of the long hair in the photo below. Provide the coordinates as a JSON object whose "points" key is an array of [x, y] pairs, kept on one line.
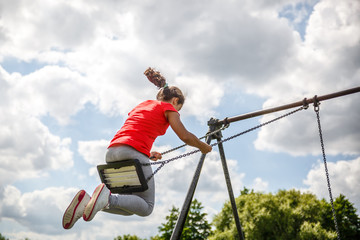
{"points": [[166, 93]]}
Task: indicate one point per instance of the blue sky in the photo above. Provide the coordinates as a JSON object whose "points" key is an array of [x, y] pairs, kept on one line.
{"points": [[71, 71]]}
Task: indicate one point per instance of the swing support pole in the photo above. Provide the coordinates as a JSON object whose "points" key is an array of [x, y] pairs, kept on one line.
{"points": [[305, 101], [218, 137], [176, 234]]}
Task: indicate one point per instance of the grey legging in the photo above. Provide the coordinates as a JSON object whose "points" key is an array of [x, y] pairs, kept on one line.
{"points": [[139, 203]]}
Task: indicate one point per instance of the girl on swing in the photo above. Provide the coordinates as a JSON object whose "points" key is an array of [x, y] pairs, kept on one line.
{"points": [[134, 140]]}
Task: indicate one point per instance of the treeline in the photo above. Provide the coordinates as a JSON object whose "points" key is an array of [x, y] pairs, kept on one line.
{"points": [[288, 214]]}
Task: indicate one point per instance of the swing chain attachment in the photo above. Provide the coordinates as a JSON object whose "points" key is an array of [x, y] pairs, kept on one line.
{"points": [[316, 104], [316, 109], [305, 103]]}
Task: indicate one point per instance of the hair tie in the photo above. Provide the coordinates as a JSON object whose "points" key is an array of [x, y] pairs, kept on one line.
{"points": [[165, 86]]}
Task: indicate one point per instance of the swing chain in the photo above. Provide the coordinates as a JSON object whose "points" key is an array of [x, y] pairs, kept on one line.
{"points": [[167, 161], [259, 126], [208, 134], [316, 109], [214, 144]]}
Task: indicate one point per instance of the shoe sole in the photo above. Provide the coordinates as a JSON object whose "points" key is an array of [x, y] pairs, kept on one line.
{"points": [[91, 205], [68, 218]]}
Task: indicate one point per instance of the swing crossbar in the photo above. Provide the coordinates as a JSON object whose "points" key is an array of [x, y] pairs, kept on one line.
{"points": [[303, 102], [123, 176]]}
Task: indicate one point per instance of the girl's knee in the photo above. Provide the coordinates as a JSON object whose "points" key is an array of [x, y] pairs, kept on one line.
{"points": [[147, 212]]}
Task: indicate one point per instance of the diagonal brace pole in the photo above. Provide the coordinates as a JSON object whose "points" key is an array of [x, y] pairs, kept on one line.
{"points": [[230, 190], [176, 234], [214, 124]]}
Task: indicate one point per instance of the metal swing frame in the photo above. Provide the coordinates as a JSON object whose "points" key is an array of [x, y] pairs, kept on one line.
{"points": [[215, 124]]}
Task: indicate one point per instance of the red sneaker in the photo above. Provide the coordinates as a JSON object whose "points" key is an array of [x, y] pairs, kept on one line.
{"points": [[99, 200], [76, 209]]}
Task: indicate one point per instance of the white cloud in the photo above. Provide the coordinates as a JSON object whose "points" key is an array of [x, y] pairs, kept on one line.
{"points": [[344, 179], [333, 25], [41, 211], [259, 185], [93, 152], [202, 96], [53, 90], [298, 134], [10, 206], [40, 207], [27, 147], [53, 28], [327, 62], [200, 45], [40, 214]]}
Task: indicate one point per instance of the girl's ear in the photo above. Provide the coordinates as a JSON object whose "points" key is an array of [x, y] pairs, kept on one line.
{"points": [[174, 100]]}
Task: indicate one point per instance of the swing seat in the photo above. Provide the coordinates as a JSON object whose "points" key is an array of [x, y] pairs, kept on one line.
{"points": [[123, 177]]}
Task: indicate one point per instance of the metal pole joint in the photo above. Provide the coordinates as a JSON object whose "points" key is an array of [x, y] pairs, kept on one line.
{"points": [[214, 125]]}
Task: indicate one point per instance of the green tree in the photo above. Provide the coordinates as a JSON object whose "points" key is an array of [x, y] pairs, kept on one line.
{"points": [[2, 237], [314, 231], [196, 226], [166, 229], [128, 237], [347, 219], [285, 215]]}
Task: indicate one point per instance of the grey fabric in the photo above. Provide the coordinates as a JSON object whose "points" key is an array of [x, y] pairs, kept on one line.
{"points": [[139, 203]]}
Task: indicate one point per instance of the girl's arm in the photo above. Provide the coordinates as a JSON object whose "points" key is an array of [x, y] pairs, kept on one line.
{"points": [[186, 136]]}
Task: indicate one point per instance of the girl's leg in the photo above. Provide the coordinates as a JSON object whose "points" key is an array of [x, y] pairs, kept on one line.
{"points": [[139, 203], [128, 205]]}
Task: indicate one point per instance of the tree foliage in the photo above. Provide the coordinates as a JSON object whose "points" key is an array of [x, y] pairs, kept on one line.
{"points": [[166, 229], [2, 237], [196, 226], [5, 238], [347, 219], [128, 237], [287, 215]]}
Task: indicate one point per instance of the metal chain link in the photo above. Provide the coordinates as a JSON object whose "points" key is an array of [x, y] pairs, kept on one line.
{"points": [[214, 144], [316, 109], [259, 126], [181, 146], [167, 161]]}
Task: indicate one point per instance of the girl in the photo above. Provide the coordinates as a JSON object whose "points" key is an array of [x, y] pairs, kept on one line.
{"points": [[134, 140]]}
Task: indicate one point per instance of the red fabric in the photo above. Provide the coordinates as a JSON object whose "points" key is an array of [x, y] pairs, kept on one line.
{"points": [[145, 123]]}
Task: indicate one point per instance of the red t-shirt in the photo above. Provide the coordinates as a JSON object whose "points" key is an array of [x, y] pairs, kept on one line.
{"points": [[145, 123]]}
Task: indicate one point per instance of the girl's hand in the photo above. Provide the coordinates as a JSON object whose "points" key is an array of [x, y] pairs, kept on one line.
{"points": [[205, 148], [155, 156]]}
